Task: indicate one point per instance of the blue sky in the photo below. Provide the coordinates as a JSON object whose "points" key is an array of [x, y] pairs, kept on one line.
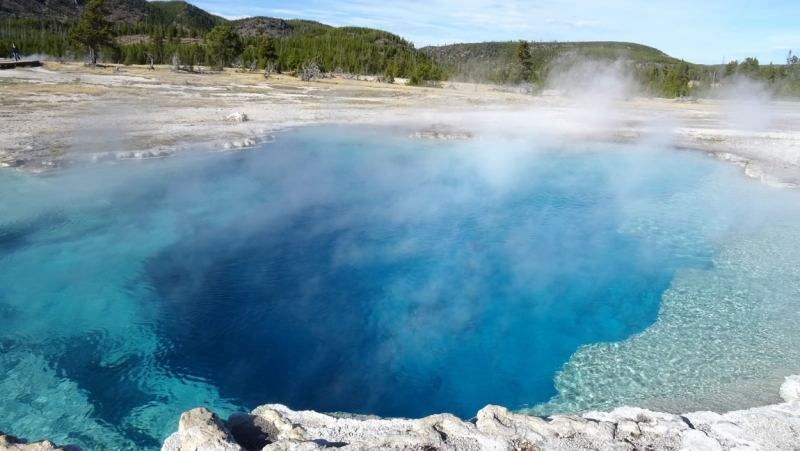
{"points": [[697, 31]]}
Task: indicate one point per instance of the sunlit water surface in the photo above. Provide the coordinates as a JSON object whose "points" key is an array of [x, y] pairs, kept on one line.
{"points": [[357, 270]]}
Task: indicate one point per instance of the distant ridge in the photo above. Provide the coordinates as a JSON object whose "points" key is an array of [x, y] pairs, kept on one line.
{"points": [[177, 13], [186, 16], [503, 51], [174, 12], [120, 10], [261, 26], [495, 61], [183, 15]]}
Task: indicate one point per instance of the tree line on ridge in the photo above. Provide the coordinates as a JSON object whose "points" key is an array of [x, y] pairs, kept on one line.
{"points": [[176, 28]]}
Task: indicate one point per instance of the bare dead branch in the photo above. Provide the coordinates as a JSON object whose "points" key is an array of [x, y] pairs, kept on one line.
{"points": [[269, 69], [310, 71], [150, 60]]}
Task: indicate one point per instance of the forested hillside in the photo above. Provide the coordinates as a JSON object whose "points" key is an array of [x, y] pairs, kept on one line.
{"points": [[166, 28], [289, 44], [538, 63], [262, 26], [162, 29], [119, 10], [486, 60]]}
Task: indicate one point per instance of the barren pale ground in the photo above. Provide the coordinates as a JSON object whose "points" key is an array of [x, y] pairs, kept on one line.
{"points": [[61, 113]]}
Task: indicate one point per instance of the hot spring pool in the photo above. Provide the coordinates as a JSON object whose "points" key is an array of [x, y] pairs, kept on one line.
{"points": [[343, 269]]}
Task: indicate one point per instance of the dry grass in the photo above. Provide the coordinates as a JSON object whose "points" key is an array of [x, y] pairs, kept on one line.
{"points": [[237, 80], [60, 89]]}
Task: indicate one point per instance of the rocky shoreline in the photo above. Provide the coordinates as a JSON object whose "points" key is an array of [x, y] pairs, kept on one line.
{"points": [[274, 427]]}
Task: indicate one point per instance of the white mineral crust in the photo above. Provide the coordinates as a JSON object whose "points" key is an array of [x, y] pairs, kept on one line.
{"points": [[274, 427]]}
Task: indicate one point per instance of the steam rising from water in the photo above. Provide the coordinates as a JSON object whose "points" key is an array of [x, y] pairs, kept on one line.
{"points": [[746, 104], [347, 269], [356, 270]]}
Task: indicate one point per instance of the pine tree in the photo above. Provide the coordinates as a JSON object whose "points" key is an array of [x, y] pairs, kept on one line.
{"points": [[267, 51], [521, 69], [92, 30], [157, 44], [523, 53], [223, 45], [676, 83], [749, 67]]}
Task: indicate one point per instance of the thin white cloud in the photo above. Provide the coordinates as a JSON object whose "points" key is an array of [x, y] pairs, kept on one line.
{"points": [[576, 23], [230, 17]]}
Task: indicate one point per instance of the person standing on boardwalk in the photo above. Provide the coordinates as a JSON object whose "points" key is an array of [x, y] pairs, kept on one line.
{"points": [[15, 52]]}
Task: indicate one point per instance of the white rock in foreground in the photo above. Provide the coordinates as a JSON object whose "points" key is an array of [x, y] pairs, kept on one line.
{"points": [[274, 427], [236, 117], [790, 390]]}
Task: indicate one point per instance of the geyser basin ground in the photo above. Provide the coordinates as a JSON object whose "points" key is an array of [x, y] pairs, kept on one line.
{"points": [[356, 270]]}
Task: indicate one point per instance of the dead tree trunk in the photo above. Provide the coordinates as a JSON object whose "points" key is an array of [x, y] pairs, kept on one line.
{"points": [[310, 71], [269, 69], [150, 60], [176, 63]]}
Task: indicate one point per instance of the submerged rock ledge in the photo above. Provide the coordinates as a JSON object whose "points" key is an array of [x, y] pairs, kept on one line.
{"points": [[275, 427], [9, 443]]}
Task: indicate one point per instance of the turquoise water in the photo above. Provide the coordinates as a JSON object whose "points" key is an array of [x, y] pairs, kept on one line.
{"points": [[343, 269]]}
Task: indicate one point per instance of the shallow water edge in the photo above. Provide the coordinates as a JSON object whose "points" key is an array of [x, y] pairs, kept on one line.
{"points": [[274, 427]]}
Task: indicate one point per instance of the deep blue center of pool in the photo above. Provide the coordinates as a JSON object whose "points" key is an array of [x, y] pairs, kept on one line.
{"points": [[338, 306], [347, 270]]}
